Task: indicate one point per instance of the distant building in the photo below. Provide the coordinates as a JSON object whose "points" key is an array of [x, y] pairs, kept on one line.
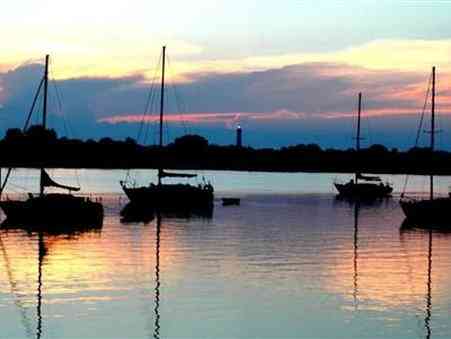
{"points": [[239, 137]]}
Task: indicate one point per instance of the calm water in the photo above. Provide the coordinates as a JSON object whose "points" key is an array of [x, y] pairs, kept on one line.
{"points": [[290, 262]]}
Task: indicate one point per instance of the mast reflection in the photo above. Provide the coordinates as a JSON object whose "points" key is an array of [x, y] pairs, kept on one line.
{"points": [[356, 239], [427, 319], [156, 333], [428, 297], [41, 253]]}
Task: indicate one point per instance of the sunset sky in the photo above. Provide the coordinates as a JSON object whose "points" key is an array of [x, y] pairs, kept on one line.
{"points": [[287, 71]]}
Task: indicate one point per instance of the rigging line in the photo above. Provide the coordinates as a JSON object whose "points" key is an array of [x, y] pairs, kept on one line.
{"points": [[438, 120], [27, 121], [180, 107], [178, 101], [149, 103], [368, 125], [420, 126], [60, 107], [152, 107], [67, 129], [67, 126], [147, 125], [148, 106]]}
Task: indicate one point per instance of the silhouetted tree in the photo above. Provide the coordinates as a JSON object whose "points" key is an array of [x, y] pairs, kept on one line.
{"points": [[191, 143], [13, 135], [39, 134]]}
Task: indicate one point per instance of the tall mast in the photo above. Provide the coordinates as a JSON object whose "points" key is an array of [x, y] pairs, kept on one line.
{"points": [[432, 130], [161, 108], [44, 115], [357, 139]]}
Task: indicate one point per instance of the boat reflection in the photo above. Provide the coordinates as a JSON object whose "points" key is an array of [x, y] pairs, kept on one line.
{"points": [[68, 227], [362, 201], [132, 213], [441, 226]]}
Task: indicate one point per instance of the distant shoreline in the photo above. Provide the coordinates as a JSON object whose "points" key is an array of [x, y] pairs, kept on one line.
{"points": [[435, 173], [42, 148]]}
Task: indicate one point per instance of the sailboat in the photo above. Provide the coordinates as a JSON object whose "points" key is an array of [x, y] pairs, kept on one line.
{"points": [[432, 212], [164, 195], [363, 186], [50, 209]]}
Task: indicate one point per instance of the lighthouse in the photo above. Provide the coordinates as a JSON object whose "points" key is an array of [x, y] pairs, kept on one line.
{"points": [[239, 138]]}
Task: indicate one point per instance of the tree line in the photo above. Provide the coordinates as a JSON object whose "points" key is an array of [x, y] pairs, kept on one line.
{"points": [[42, 147]]}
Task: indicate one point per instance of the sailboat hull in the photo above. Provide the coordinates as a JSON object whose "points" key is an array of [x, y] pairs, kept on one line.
{"points": [[363, 190], [49, 210], [428, 213], [175, 196]]}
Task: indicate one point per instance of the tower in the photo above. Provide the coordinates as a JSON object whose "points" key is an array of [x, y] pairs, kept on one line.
{"points": [[239, 138]]}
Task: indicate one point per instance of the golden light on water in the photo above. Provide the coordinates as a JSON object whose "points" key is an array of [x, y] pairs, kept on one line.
{"points": [[76, 263]]}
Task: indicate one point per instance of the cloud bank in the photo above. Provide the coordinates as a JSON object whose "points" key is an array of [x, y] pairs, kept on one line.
{"points": [[291, 104]]}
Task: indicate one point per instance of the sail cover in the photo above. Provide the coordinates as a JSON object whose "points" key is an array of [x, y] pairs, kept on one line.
{"points": [[49, 182], [164, 174], [368, 177]]}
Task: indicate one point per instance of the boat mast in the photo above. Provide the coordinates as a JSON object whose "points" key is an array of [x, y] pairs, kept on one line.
{"points": [[44, 115], [357, 139], [432, 130], [160, 170]]}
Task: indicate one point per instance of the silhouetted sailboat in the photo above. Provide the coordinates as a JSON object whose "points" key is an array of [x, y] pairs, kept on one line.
{"points": [[432, 212], [50, 209], [169, 196], [363, 186]]}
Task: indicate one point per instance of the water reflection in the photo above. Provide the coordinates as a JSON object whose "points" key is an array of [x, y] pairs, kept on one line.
{"points": [[407, 230], [427, 320], [41, 253], [250, 271], [156, 333], [356, 239], [412, 231], [133, 213], [19, 303], [43, 241]]}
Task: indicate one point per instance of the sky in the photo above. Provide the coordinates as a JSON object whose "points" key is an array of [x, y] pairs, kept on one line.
{"points": [[288, 72]]}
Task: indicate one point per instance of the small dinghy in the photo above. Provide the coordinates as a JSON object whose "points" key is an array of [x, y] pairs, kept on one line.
{"points": [[230, 201]]}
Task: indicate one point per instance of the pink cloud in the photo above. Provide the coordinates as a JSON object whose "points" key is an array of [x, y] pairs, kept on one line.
{"points": [[230, 119]]}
